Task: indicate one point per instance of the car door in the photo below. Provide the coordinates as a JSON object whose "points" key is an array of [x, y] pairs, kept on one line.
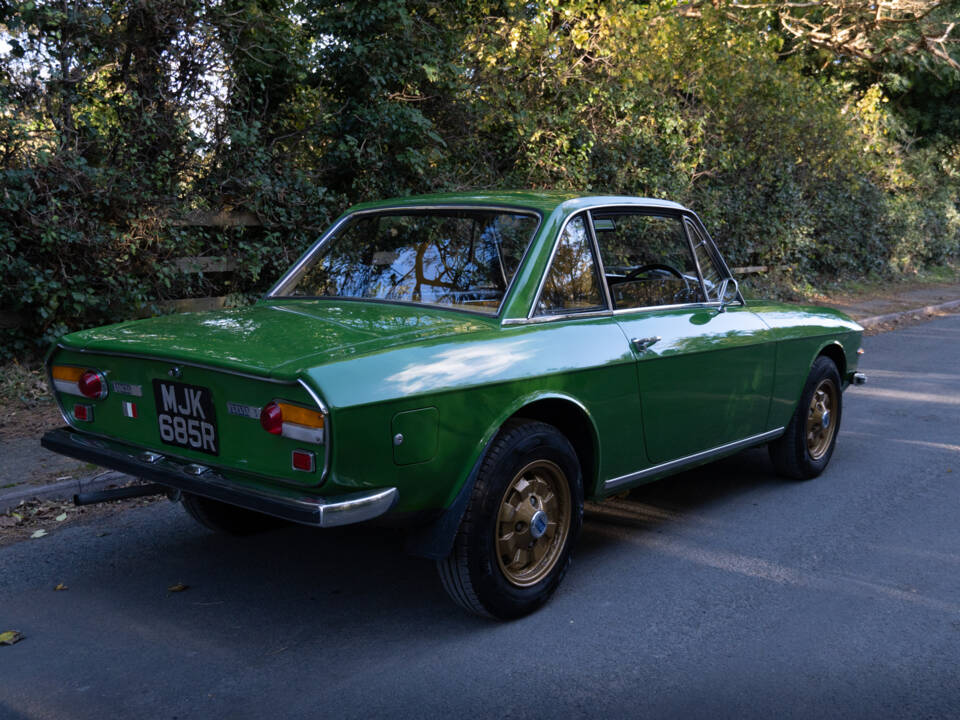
{"points": [[578, 333], [705, 373]]}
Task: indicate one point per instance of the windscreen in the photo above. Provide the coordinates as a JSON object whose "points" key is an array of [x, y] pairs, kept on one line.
{"points": [[464, 258]]}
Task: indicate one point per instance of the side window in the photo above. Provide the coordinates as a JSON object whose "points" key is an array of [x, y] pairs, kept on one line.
{"points": [[572, 283], [646, 259], [708, 268]]}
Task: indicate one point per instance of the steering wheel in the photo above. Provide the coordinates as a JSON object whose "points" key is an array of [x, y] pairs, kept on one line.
{"points": [[656, 267], [659, 268]]}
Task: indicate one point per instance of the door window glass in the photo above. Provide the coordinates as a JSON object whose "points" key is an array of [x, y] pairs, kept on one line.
{"points": [[646, 259], [572, 282]]}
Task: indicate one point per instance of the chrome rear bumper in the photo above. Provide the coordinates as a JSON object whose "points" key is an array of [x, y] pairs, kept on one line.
{"points": [[286, 503]]}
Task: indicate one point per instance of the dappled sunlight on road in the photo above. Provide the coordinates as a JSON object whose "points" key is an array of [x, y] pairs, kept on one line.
{"points": [[913, 376], [906, 396], [619, 524], [919, 443]]}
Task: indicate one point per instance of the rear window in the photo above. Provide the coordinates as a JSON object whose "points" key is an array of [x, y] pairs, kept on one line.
{"points": [[463, 258]]}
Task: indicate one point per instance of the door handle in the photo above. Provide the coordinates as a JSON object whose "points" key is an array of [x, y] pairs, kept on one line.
{"points": [[644, 344]]}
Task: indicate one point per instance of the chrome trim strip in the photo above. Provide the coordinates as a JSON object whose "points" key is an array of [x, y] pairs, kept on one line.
{"points": [[607, 313], [322, 241], [302, 433], [177, 361], [619, 482], [48, 365], [315, 398], [677, 306], [358, 508], [551, 318], [307, 256], [65, 386], [327, 434]]}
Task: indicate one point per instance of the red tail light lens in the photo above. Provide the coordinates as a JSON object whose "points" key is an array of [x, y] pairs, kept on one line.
{"points": [[271, 418], [92, 385]]}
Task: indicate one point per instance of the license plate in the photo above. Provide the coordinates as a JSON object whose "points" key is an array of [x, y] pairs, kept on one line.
{"points": [[186, 417]]}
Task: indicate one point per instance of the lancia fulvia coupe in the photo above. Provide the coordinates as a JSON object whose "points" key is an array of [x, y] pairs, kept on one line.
{"points": [[471, 367]]}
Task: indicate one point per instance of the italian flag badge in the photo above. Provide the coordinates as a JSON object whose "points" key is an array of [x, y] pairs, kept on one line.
{"points": [[129, 409]]}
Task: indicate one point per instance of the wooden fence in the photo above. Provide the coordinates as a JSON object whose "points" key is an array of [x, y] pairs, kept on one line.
{"points": [[225, 264]]}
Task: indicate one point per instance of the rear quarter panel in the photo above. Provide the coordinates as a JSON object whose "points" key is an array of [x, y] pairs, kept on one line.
{"points": [[476, 383]]}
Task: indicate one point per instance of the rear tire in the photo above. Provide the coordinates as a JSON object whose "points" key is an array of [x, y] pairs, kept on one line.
{"points": [[805, 448], [514, 543], [228, 519]]}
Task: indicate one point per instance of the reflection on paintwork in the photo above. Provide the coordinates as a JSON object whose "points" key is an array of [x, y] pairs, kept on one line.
{"points": [[243, 327], [281, 337], [475, 363]]}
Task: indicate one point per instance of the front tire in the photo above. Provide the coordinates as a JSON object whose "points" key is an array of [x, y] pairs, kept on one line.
{"points": [[805, 448], [516, 537]]}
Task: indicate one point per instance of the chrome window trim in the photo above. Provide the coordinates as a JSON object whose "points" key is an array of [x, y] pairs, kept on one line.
{"points": [[673, 208], [532, 313], [713, 250], [653, 210], [685, 222], [609, 313], [599, 262], [677, 306], [618, 483], [325, 238], [550, 318]]}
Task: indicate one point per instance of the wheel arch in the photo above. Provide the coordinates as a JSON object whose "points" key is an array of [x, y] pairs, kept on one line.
{"points": [[572, 419], [834, 351], [562, 411]]}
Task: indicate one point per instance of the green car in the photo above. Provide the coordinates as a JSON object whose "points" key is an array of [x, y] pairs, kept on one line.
{"points": [[470, 366]]}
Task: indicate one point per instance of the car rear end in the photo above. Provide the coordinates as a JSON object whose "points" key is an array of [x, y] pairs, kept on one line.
{"points": [[249, 439]]}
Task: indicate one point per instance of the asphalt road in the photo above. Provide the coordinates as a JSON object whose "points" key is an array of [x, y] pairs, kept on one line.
{"points": [[723, 592]]}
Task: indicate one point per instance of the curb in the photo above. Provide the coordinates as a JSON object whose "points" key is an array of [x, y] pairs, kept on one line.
{"points": [[65, 489], [916, 312]]}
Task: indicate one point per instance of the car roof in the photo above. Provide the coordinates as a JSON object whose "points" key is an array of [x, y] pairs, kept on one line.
{"points": [[543, 201]]}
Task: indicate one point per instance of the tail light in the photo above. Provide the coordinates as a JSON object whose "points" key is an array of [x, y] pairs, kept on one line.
{"points": [[79, 381], [93, 385], [293, 421], [271, 418]]}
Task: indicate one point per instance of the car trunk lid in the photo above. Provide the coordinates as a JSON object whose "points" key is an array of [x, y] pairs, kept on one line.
{"points": [[277, 338]]}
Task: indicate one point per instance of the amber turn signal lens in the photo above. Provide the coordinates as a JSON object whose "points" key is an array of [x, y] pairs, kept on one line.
{"points": [[271, 418], [301, 415]]}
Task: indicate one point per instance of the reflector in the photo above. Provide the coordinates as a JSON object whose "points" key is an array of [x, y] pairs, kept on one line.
{"points": [[303, 461]]}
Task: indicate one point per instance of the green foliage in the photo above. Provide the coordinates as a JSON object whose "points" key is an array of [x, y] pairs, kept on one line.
{"points": [[118, 117]]}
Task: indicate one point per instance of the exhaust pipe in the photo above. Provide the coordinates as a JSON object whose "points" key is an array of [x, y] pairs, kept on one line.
{"points": [[100, 496]]}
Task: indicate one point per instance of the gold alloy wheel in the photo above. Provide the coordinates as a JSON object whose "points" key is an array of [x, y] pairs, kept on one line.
{"points": [[822, 418], [533, 523]]}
